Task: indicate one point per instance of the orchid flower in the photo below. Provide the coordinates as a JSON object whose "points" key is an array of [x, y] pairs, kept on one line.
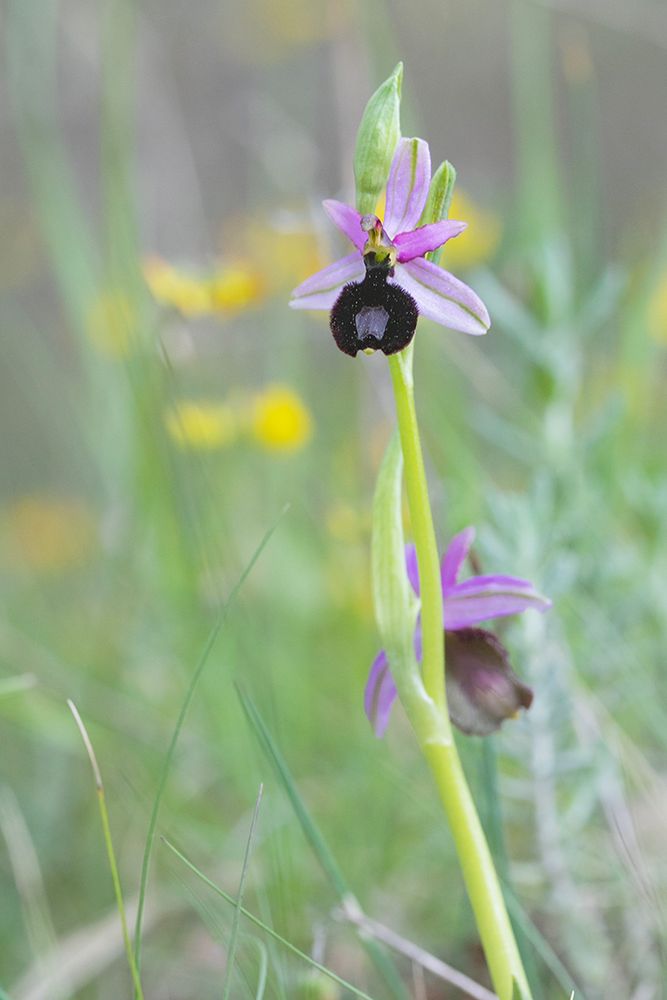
{"points": [[376, 293], [482, 688]]}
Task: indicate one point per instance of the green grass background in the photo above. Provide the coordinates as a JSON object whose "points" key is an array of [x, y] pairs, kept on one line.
{"points": [[135, 128]]}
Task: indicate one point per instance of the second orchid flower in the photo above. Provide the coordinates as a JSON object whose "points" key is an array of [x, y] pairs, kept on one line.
{"points": [[482, 688]]}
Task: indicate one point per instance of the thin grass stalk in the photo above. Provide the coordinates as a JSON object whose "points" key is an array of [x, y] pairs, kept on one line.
{"points": [[169, 756], [264, 927], [233, 938], [380, 959], [108, 842]]}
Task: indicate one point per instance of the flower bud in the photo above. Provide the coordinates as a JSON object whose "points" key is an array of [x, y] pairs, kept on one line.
{"points": [[482, 688], [378, 134]]}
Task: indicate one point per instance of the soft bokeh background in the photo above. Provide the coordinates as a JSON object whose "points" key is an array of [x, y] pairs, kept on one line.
{"points": [[161, 167]]}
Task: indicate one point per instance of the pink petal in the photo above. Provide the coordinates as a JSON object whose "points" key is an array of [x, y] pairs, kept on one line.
{"points": [[321, 290], [420, 241], [412, 567], [455, 556], [485, 597], [380, 694], [348, 221], [407, 187], [442, 297]]}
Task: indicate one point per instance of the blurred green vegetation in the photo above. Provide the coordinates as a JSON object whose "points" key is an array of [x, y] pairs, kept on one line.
{"points": [[155, 432]]}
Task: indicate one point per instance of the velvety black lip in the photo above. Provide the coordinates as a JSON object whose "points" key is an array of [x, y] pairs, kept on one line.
{"points": [[356, 316]]}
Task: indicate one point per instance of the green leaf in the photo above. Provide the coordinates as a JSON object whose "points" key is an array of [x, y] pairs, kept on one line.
{"points": [[377, 137], [392, 595], [396, 605]]}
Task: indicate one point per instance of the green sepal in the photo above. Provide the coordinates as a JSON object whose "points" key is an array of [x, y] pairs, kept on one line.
{"points": [[377, 138], [439, 199]]}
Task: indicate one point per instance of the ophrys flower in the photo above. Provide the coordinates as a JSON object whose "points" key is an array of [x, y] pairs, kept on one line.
{"points": [[482, 688], [376, 293]]}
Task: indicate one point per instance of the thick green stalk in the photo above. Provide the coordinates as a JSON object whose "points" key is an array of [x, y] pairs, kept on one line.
{"points": [[495, 929]]}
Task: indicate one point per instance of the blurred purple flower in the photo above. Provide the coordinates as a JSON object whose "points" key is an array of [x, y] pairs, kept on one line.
{"points": [[482, 689], [398, 248]]}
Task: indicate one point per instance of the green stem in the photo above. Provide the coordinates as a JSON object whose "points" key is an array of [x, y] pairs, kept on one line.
{"points": [[481, 880], [433, 647]]}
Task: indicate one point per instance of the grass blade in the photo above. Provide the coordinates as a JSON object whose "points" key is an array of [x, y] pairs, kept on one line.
{"points": [[383, 963], [210, 642], [25, 866], [231, 951], [262, 975], [267, 930], [104, 815]]}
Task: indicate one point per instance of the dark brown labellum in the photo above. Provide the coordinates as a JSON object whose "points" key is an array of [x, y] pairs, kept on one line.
{"points": [[482, 688], [372, 314]]}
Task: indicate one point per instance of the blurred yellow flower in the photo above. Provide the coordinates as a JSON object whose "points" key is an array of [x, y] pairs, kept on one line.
{"points": [[227, 289], [479, 241], [202, 426], [111, 324], [657, 310], [177, 289], [47, 533], [280, 420], [236, 287], [294, 250]]}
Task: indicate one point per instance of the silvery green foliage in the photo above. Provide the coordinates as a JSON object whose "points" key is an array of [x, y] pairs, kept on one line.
{"points": [[571, 770]]}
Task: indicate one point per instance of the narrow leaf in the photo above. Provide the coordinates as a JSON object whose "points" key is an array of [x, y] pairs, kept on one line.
{"points": [[267, 930]]}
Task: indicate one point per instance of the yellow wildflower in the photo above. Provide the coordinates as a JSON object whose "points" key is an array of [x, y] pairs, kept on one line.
{"points": [[201, 426], [236, 287], [229, 288], [47, 533], [111, 324], [177, 289], [280, 420], [293, 248], [479, 241]]}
